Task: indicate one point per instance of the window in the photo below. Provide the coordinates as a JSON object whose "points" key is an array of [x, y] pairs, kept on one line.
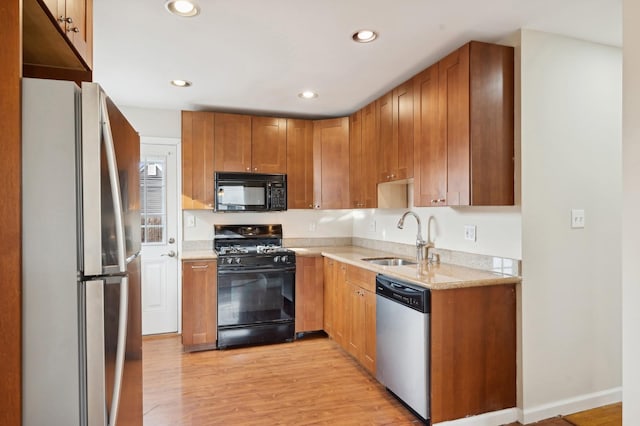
{"points": [[153, 196]]}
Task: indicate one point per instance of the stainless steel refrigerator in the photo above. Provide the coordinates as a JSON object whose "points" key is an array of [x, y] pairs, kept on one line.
{"points": [[82, 344]]}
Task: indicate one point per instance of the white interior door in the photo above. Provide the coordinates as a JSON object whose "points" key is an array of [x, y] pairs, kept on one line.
{"points": [[158, 207]]}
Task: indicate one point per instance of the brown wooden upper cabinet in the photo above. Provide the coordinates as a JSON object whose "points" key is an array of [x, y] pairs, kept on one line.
{"points": [[197, 160], [232, 136], [396, 133], [363, 146], [331, 163], [58, 39], [463, 108], [268, 145], [250, 144], [299, 164]]}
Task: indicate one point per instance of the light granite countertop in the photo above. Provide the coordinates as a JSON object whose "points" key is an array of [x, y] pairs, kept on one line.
{"points": [[202, 254], [433, 276]]}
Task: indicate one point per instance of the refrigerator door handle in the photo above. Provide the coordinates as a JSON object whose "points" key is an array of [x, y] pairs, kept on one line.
{"points": [[115, 182], [122, 261]]}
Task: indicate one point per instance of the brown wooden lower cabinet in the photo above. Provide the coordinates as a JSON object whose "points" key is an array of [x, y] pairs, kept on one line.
{"points": [[473, 339], [350, 314], [309, 294], [199, 305], [473, 351]]}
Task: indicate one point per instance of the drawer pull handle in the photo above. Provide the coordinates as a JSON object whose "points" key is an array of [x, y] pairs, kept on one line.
{"points": [[199, 266]]}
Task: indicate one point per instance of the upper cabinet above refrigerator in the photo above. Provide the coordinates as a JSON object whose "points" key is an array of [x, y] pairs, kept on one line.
{"points": [[58, 39]]}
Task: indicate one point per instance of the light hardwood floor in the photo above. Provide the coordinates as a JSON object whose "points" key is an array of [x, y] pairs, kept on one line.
{"points": [[308, 382]]}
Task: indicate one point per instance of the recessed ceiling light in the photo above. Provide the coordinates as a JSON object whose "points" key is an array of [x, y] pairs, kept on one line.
{"points": [[185, 8], [181, 83], [308, 94], [364, 36]]}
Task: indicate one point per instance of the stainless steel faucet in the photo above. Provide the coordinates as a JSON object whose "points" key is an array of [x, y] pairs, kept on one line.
{"points": [[420, 242]]}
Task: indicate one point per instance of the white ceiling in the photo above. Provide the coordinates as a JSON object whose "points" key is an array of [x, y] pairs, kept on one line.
{"points": [[257, 55]]}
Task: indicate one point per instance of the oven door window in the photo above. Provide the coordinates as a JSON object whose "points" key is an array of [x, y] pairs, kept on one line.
{"points": [[255, 297]]}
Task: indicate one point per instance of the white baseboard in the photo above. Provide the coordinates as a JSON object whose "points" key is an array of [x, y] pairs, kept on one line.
{"points": [[570, 405], [493, 418]]}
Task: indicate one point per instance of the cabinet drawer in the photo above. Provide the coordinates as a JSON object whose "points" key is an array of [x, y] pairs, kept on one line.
{"points": [[361, 277]]}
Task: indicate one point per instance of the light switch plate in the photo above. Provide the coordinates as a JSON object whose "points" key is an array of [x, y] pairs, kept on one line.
{"points": [[577, 218], [470, 232], [191, 221]]}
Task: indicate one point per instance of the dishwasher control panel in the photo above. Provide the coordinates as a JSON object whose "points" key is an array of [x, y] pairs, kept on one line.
{"points": [[407, 294]]}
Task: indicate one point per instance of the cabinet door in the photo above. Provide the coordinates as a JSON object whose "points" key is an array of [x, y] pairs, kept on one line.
{"points": [[56, 7], [79, 27], [331, 163], [232, 134], [369, 349], [453, 110], [197, 160], [403, 130], [491, 124], [370, 151], [342, 310], [355, 324], [356, 163], [330, 277], [199, 304], [299, 164], [430, 174], [309, 294], [268, 145], [473, 351], [388, 154]]}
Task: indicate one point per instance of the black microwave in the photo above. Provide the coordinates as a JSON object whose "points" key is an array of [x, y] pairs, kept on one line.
{"points": [[250, 192]]}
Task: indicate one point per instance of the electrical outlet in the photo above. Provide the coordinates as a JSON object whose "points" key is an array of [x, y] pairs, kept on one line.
{"points": [[470, 232], [191, 221], [577, 218], [372, 225], [312, 226]]}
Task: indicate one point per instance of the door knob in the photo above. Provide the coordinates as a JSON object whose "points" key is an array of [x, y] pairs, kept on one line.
{"points": [[170, 254], [172, 240]]}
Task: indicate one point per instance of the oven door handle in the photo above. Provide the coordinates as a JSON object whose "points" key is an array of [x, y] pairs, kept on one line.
{"points": [[254, 271]]}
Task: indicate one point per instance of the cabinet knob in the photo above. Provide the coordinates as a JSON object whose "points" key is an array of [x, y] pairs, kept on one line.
{"points": [[255, 169], [73, 30], [310, 206], [68, 19]]}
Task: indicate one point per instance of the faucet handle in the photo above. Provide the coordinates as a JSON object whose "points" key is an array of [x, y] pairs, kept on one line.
{"points": [[434, 258]]}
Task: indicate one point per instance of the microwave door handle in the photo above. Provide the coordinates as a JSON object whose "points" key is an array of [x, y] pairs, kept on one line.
{"points": [[122, 262]]}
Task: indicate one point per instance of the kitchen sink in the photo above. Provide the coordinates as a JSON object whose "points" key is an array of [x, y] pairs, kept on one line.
{"points": [[388, 261]]}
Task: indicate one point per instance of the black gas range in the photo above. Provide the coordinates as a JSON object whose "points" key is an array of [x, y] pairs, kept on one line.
{"points": [[256, 285]]}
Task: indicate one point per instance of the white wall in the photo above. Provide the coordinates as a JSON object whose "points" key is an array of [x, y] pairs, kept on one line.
{"points": [[154, 122], [497, 228], [631, 213], [295, 223], [571, 290]]}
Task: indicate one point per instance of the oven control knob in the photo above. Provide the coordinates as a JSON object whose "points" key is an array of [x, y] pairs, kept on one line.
{"points": [[276, 259], [237, 260], [284, 259], [229, 260]]}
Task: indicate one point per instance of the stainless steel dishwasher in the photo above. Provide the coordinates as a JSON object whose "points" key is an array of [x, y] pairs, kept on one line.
{"points": [[402, 342]]}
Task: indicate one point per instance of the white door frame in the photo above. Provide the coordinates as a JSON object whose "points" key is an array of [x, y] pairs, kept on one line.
{"points": [[177, 143]]}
